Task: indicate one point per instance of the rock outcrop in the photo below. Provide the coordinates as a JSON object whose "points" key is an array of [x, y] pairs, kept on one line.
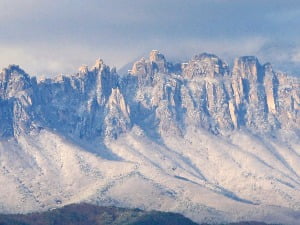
{"points": [[96, 103], [199, 138], [208, 95]]}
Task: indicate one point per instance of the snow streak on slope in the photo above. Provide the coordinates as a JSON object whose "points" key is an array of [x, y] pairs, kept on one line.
{"points": [[209, 180], [45, 170]]}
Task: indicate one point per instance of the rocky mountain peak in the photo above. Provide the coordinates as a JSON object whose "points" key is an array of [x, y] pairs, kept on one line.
{"points": [[158, 61], [248, 67], [98, 67], [83, 69], [205, 65], [156, 56], [13, 80], [99, 63], [139, 67], [14, 68], [13, 72], [148, 67]]}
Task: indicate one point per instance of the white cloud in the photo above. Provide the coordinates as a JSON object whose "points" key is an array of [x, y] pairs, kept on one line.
{"points": [[51, 59], [58, 36]]}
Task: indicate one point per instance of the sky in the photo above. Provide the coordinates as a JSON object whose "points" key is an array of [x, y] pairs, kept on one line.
{"points": [[50, 37]]}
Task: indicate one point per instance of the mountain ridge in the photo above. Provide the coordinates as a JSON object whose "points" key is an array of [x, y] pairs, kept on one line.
{"points": [[203, 138], [247, 73], [90, 214]]}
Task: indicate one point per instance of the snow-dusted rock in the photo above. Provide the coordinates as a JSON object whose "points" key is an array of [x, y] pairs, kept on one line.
{"points": [[214, 143]]}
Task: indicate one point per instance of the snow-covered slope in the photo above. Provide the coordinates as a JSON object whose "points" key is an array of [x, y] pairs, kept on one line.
{"points": [[196, 138]]}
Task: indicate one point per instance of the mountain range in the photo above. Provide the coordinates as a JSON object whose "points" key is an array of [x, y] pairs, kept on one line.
{"points": [[82, 214], [215, 143]]}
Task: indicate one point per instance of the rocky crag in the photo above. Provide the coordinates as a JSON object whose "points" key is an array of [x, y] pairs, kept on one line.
{"points": [[201, 93], [172, 129]]}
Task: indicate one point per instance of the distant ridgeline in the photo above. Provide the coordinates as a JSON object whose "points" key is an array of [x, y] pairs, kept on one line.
{"points": [[84, 214]]}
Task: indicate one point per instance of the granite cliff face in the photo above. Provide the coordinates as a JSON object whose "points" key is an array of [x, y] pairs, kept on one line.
{"points": [[207, 94], [230, 135], [17, 96], [99, 103]]}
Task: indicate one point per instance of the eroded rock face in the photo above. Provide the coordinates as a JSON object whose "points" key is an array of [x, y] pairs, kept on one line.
{"points": [[207, 66], [117, 119], [145, 69], [17, 99], [14, 82], [77, 104], [65, 139], [208, 95], [256, 91], [6, 115], [98, 103]]}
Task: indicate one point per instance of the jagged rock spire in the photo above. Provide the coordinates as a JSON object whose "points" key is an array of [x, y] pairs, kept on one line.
{"points": [[83, 69], [249, 68], [99, 63], [117, 120], [155, 63]]}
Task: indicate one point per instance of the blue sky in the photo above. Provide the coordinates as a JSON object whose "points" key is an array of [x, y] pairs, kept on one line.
{"points": [[57, 36]]}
